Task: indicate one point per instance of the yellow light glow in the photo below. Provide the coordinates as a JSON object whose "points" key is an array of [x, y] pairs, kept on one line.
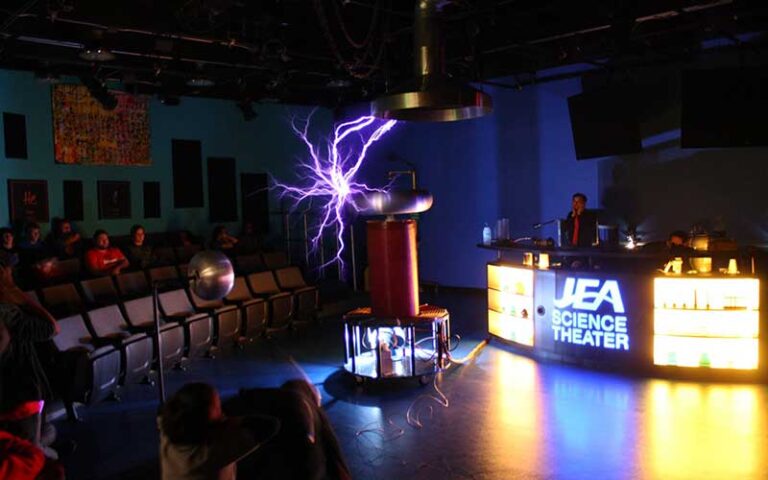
{"points": [[734, 353], [707, 293], [707, 323], [514, 329], [510, 303], [510, 279]]}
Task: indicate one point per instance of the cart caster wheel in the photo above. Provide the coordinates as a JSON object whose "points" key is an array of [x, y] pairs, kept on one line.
{"points": [[423, 380]]}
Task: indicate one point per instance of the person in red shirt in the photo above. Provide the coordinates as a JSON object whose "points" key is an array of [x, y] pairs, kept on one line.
{"points": [[103, 259]]}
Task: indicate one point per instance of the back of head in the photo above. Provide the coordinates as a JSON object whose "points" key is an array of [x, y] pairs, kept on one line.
{"points": [[184, 418]]}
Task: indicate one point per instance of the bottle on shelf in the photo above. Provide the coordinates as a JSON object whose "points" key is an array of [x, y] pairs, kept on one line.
{"points": [[486, 235]]}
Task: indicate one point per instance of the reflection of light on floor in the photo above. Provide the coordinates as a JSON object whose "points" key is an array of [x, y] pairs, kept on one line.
{"points": [[514, 407], [705, 431]]}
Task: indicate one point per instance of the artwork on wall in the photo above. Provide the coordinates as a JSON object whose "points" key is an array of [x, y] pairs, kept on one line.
{"points": [[114, 199], [28, 200], [85, 133], [15, 135]]}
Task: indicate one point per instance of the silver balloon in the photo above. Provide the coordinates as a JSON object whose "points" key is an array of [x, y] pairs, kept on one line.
{"points": [[211, 274], [393, 202]]}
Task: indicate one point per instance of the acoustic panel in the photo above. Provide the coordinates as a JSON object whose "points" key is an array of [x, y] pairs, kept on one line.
{"points": [[152, 200], [254, 188], [15, 133], [222, 189], [187, 167]]}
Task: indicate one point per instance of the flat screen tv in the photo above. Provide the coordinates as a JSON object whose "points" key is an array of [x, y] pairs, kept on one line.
{"points": [[605, 122]]}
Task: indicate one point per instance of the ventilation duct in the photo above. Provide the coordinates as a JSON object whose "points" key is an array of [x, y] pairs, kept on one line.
{"points": [[431, 96]]}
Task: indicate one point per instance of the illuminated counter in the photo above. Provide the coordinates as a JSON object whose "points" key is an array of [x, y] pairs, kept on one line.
{"points": [[648, 322]]}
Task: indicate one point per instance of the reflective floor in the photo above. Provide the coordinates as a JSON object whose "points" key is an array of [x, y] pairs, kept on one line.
{"points": [[502, 416]]}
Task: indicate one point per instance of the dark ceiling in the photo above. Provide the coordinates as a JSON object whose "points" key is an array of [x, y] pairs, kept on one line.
{"points": [[333, 52]]}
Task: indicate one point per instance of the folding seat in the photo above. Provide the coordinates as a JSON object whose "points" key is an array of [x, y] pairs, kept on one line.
{"points": [[166, 278], [226, 319], [245, 264], [262, 285], [133, 285], [275, 260], [110, 328], [185, 253], [99, 292], [62, 300], [198, 328], [85, 371], [252, 310], [139, 315], [306, 298], [165, 256], [67, 270]]}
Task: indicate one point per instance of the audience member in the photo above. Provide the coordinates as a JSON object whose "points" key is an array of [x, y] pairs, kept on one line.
{"points": [[249, 239], [8, 252], [197, 442], [22, 460], [63, 241], [139, 254], [306, 448], [23, 384], [186, 238], [34, 256], [221, 240], [102, 259]]}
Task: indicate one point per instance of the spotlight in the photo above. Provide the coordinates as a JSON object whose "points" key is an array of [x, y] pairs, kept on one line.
{"points": [[96, 54]]}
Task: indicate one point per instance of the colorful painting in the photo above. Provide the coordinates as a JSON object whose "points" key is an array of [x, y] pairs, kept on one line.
{"points": [[85, 133], [114, 199], [28, 200]]}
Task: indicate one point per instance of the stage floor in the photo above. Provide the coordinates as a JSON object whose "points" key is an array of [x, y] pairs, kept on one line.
{"points": [[508, 416]]}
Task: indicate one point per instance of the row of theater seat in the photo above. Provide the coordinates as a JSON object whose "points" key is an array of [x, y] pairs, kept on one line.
{"points": [[70, 270], [111, 319]]}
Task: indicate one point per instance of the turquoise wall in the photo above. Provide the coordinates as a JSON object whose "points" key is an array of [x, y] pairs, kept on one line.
{"points": [[265, 144]]}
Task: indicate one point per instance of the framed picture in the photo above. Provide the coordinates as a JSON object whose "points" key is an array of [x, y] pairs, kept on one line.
{"points": [[114, 199], [28, 200]]}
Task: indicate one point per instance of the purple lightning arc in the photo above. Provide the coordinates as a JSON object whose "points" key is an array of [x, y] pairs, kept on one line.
{"points": [[328, 175]]}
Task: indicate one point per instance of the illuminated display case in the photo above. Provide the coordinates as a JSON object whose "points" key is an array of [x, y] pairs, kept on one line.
{"points": [[706, 322], [510, 303]]}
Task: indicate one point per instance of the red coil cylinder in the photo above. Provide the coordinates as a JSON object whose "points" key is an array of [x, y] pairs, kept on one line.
{"points": [[394, 270]]}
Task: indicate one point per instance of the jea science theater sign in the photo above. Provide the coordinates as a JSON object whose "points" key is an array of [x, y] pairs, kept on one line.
{"points": [[590, 312]]}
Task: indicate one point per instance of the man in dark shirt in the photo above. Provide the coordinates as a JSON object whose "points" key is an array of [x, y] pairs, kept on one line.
{"points": [[23, 384], [580, 226], [138, 252]]}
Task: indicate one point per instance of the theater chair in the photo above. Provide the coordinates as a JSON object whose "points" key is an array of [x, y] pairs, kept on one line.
{"points": [[138, 313], [133, 285], [185, 253], [84, 371], [65, 271], [62, 300], [198, 328], [166, 278], [99, 292], [275, 260], [253, 311], [164, 256], [245, 264], [306, 298], [262, 285], [110, 328], [226, 319]]}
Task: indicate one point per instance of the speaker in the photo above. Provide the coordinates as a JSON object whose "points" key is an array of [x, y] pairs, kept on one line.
{"points": [[187, 160], [73, 200], [254, 188], [605, 122]]}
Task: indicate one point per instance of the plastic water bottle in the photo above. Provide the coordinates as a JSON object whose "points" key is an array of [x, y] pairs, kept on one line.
{"points": [[486, 235]]}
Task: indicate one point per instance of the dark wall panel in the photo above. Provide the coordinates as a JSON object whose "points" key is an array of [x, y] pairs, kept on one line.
{"points": [[73, 200], [15, 131], [222, 189], [255, 199], [152, 200], [187, 173]]}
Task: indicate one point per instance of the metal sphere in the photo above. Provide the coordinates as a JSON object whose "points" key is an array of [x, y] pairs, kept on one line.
{"points": [[211, 273]]}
